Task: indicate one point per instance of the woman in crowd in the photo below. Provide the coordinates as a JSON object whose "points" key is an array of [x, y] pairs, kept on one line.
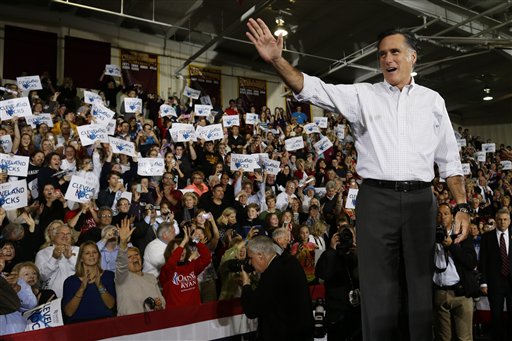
{"points": [[304, 250], [29, 272], [133, 287], [178, 276], [190, 209], [90, 293]]}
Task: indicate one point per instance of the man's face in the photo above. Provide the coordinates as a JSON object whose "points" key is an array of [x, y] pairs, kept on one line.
{"points": [[503, 221], [218, 193], [63, 236], [257, 260], [114, 179], [396, 59], [445, 216]]}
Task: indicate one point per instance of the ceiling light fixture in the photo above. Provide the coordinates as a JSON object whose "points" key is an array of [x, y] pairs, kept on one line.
{"points": [[487, 95], [280, 29]]}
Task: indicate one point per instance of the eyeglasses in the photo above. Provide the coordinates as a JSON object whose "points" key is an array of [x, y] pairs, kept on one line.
{"points": [[64, 234], [105, 215]]}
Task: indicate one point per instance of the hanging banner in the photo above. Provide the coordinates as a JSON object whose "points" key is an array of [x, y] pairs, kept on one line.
{"points": [[253, 92], [208, 81], [140, 68]]}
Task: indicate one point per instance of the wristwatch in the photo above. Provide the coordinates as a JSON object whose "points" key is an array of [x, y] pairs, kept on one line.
{"points": [[464, 208]]}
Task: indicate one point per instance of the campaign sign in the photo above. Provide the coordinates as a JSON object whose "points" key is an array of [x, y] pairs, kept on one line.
{"points": [[230, 120], [244, 161], [183, 132], [294, 143], [13, 194], [351, 198], [489, 147], [132, 104], [120, 146], [167, 110], [270, 166], [111, 127], [206, 100], [251, 118], [90, 133], [466, 169], [506, 165], [47, 315], [102, 114], [320, 121], [79, 190], [112, 70], [6, 143], [191, 93], [92, 97], [14, 165], [29, 83], [19, 107], [202, 110], [311, 128], [340, 131], [150, 166], [461, 143], [210, 132], [36, 120], [480, 156], [322, 145]]}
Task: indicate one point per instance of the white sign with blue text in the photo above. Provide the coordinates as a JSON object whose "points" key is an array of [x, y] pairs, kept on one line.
{"points": [[321, 122], [91, 133], [183, 132], [112, 70], [102, 115], [244, 162], [294, 143], [19, 107], [230, 120], [311, 128], [47, 315], [36, 120], [270, 166], [79, 190], [251, 118], [92, 97], [167, 110], [150, 166], [210, 132], [120, 146], [29, 83], [322, 145], [191, 93], [14, 165], [13, 194], [202, 109], [132, 105], [6, 143], [351, 198]]}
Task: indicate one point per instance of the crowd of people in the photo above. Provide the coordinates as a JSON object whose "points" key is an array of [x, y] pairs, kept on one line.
{"points": [[180, 238]]}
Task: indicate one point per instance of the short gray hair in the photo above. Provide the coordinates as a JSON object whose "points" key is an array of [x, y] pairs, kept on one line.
{"points": [[279, 232], [262, 244], [164, 227]]}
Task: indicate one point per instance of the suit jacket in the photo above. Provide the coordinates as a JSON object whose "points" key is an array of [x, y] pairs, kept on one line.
{"points": [[281, 302], [464, 258], [490, 260]]}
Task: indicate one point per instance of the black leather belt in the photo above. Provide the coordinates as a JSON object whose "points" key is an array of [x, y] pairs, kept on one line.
{"points": [[398, 186], [448, 288]]}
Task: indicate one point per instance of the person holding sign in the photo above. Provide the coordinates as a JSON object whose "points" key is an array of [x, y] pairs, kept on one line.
{"points": [[400, 129]]}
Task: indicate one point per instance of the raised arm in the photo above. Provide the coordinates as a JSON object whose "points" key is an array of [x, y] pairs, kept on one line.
{"points": [[270, 50]]}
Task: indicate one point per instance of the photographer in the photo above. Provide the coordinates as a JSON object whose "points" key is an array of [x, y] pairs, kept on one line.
{"points": [[454, 281], [337, 266]]}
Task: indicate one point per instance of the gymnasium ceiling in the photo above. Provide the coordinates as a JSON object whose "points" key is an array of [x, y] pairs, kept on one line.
{"points": [[466, 45]]}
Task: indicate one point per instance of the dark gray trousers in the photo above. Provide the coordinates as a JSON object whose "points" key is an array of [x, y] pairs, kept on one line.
{"points": [[395, 238]]}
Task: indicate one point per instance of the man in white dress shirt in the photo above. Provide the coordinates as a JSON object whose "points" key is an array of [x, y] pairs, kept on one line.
{"points": [[154, 252], [400, 130]]}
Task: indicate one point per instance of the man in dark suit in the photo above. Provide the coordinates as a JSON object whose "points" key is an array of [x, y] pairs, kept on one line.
{"points": [[281, 302], [495, 261]]}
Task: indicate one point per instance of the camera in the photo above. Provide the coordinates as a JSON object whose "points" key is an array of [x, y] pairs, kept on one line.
{"points": [[440, 234], [319, 317], [150, 303], [346, 240], [235, 265]]}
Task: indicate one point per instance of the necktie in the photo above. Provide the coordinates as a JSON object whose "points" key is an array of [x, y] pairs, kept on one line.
{"points": [[505, 264]]}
